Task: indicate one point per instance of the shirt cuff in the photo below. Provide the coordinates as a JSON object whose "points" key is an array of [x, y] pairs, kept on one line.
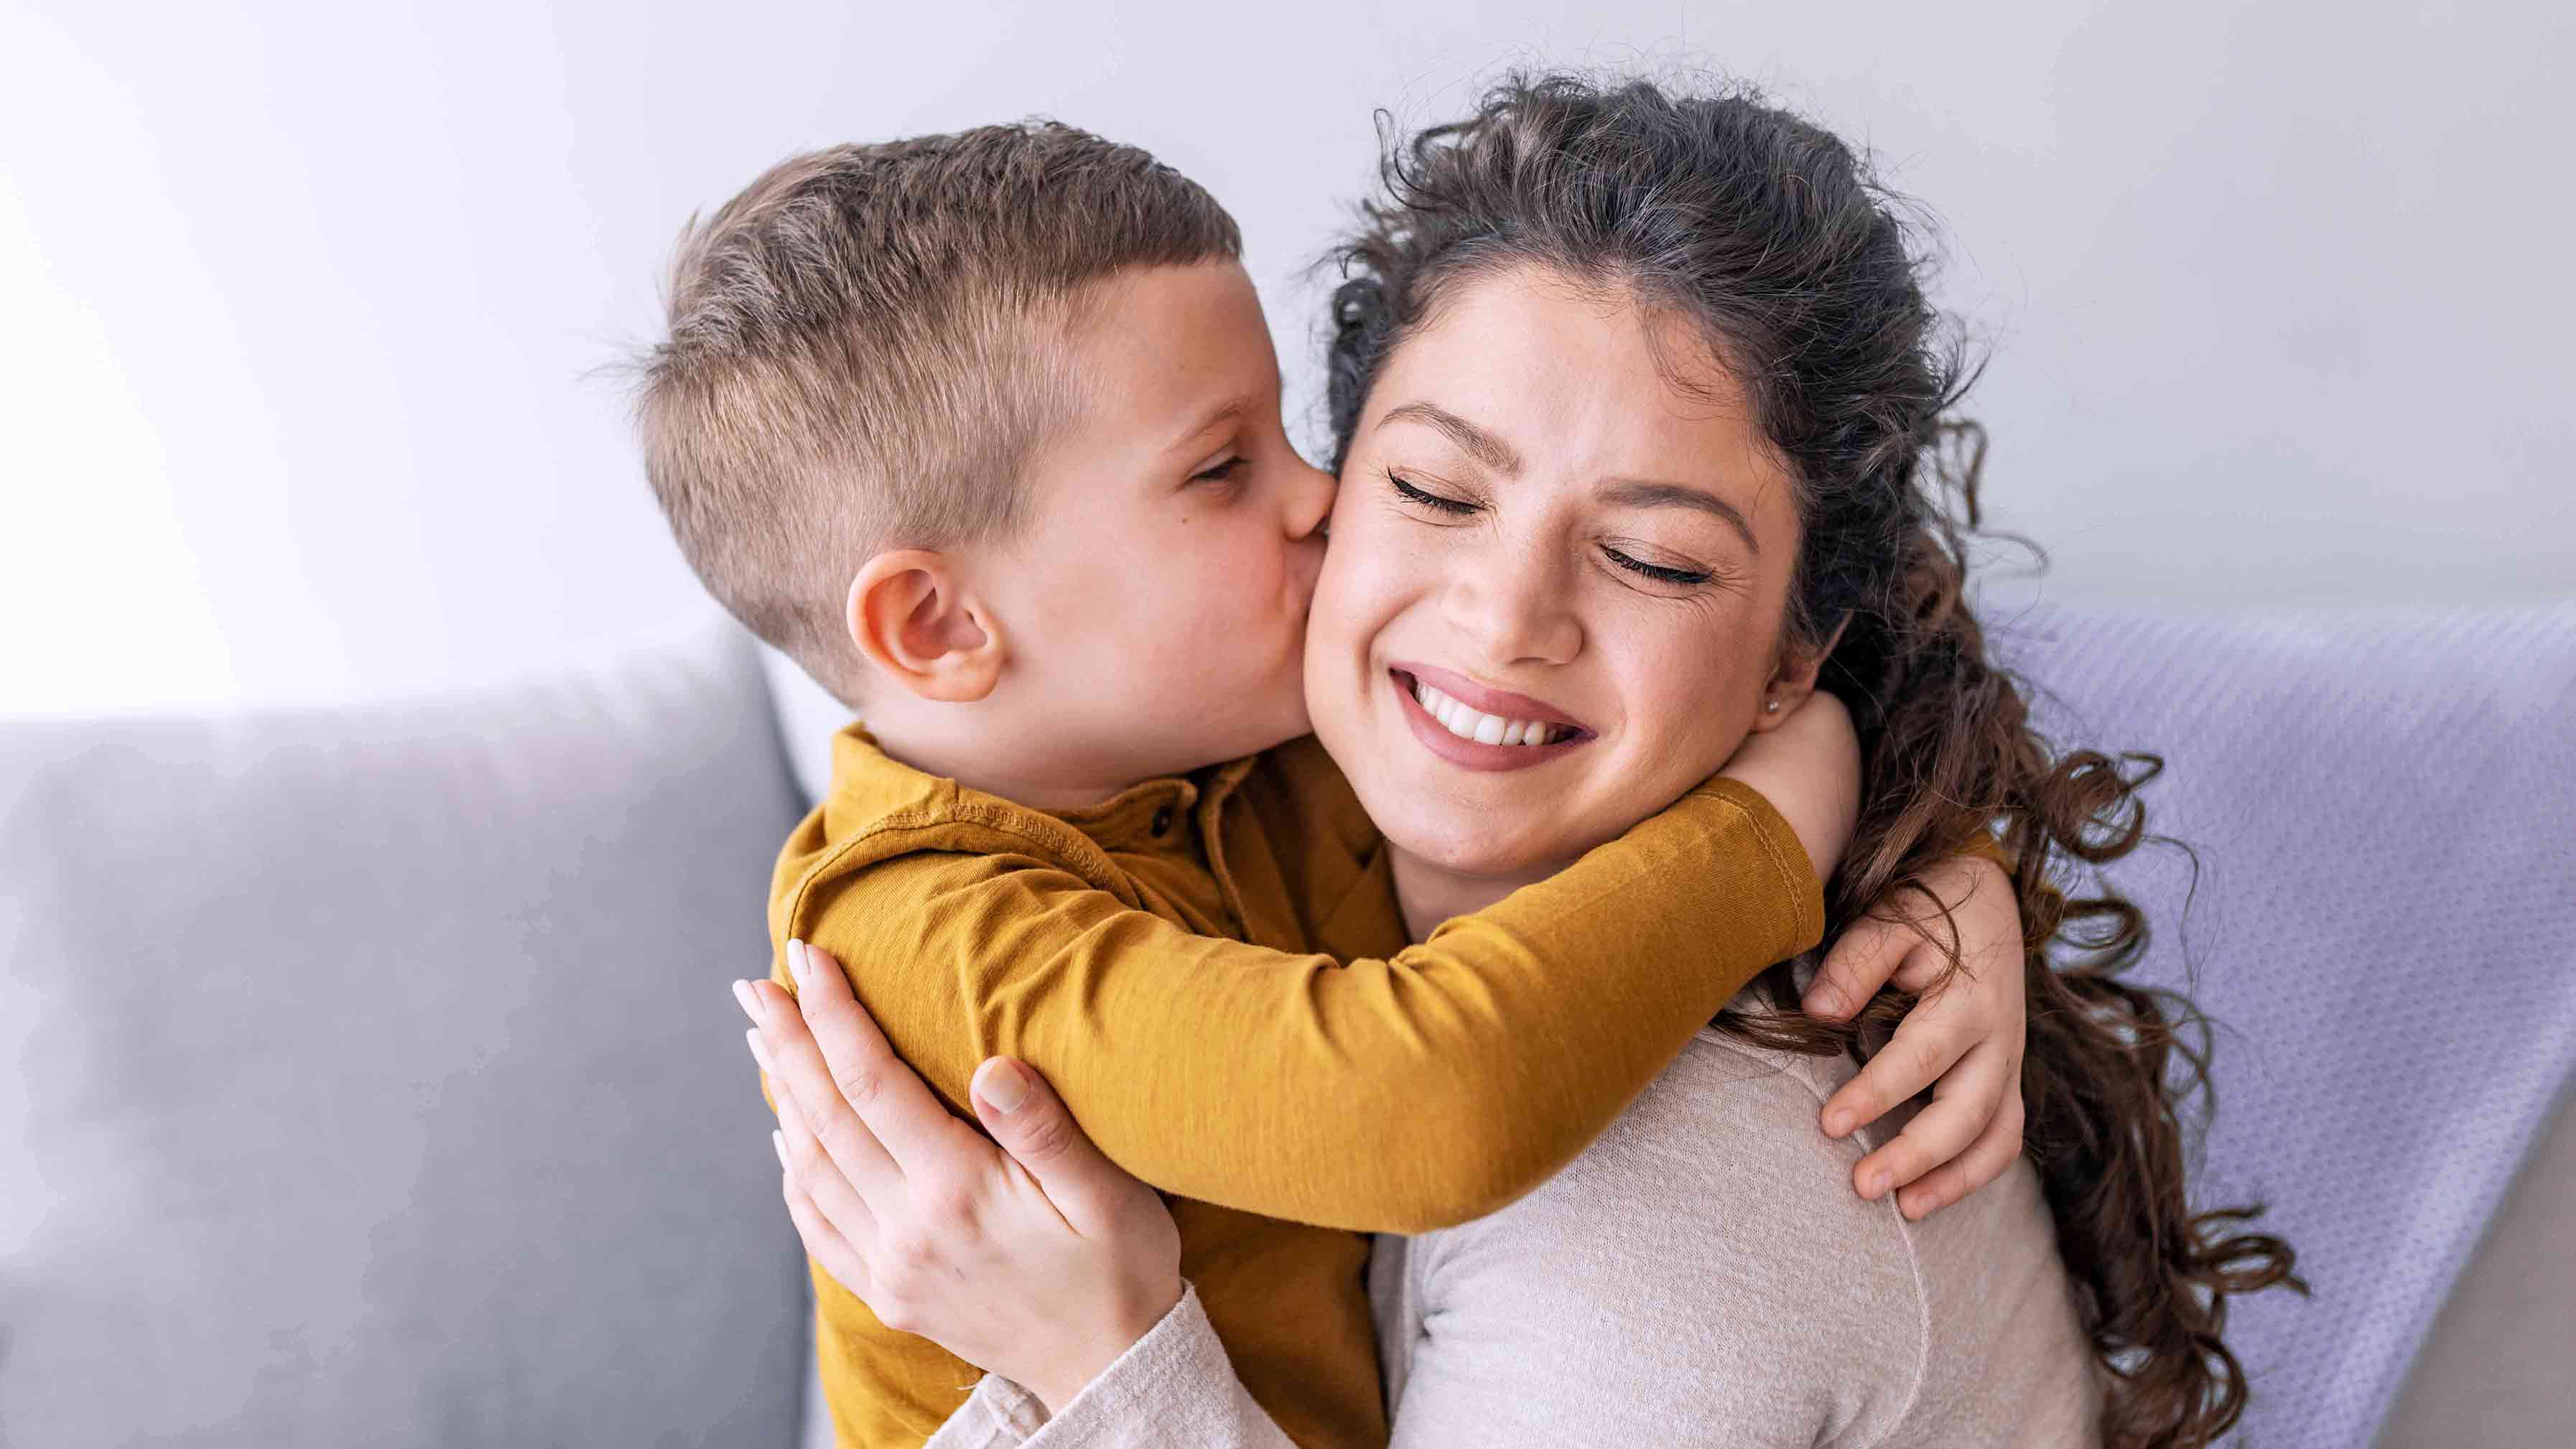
{"points": [[1178, 1362], [998, 1415], [1986, 846], [1788, 854]]}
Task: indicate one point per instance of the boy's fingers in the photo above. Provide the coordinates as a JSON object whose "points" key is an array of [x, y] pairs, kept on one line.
{"points": [[1987, 923], [796, 1068], [1983, 1162], [1965, 1103], [1922, 1049], [878, 1085], [1032, 1124], [1861, 961], [822, 1180]]}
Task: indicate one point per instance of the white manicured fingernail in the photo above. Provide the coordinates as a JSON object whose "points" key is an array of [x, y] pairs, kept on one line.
{"points": [[750, 1000], [1003, 1086], [797, 965], [778, 1140]]}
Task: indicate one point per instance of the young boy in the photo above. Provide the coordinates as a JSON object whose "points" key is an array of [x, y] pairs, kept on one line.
{"points": [[982, 430]]}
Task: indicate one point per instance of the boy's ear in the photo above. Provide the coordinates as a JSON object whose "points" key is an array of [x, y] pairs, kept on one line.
{"points": [[1794, 680], [910, 615]]}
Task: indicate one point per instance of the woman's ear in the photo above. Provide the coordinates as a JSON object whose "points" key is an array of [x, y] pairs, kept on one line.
{"points": [[1794, 680], [910, 615]]}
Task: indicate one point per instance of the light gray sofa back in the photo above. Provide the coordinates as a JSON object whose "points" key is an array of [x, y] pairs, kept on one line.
{"points": [[371, 1076]]}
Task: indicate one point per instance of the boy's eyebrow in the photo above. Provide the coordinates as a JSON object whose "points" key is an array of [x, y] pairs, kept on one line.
{"points": [[1645, 493], [1224, 412], [1486, 448]]}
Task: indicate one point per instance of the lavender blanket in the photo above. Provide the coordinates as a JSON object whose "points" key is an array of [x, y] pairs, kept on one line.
{"points": [[2384, 927]]}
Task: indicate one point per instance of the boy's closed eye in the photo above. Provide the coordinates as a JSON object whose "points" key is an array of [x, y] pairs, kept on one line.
{"points": [[1228, 471]]}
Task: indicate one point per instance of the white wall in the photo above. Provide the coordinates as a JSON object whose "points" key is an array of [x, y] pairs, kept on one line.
{"points": [[299, 300]]}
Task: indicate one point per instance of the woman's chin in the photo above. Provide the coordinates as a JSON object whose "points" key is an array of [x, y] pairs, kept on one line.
{"points": [[1479, 849]]}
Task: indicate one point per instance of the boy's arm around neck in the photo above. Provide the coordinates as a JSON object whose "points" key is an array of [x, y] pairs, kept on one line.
{"points": [[1394, 1095]]}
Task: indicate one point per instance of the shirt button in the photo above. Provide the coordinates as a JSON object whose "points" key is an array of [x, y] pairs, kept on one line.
{"points": [[1163, 820]]}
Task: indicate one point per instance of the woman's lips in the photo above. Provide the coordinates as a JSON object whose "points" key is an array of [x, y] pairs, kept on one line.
{"points": [[1470, 754], [1485, 697]]}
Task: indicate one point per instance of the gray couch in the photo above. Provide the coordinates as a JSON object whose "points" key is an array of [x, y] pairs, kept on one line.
{"points": [[374, 1079]]}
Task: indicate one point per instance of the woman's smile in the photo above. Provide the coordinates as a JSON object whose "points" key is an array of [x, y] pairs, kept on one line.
{"points": [[1476, 727]]}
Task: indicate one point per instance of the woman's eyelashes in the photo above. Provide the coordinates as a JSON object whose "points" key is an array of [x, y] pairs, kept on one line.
{"points": [[1436, 502], [1660, 573], [1667, 574]]}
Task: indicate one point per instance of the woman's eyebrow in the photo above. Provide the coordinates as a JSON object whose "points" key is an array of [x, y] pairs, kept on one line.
{"points": [[1642, 493], [1500, 456], [1483, 446]]}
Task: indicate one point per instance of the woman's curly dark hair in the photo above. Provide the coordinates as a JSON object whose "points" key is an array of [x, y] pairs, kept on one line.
{"points": [[1802, 274]]}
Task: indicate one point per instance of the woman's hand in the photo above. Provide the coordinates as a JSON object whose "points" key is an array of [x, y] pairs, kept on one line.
{"points": [[1038, 1260], [1964, 1040]]}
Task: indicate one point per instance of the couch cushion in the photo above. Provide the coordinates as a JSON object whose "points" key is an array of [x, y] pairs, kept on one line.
{"points": [[808, 717], [2383, 926], [375, 1079]]}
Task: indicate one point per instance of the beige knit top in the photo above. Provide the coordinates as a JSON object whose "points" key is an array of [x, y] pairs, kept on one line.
{"points": [[1702, 1275]]}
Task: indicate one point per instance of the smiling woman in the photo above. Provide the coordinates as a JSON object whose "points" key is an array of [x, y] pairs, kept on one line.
{"points": [[1584, 534], [1583, 288]]}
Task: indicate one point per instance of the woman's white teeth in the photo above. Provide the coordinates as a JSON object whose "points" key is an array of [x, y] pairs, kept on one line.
{"points": [[1483, 728]]}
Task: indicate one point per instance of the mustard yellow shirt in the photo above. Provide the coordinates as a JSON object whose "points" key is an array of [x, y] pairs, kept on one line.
{"points": [[1212, 971]]}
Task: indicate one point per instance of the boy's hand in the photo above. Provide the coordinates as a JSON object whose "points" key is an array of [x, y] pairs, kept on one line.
{"points": [[1964, 1040], [1808, 767]]}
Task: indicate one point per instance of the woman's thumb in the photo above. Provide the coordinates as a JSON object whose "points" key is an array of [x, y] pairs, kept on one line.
{"points": [[1031, 1123]]}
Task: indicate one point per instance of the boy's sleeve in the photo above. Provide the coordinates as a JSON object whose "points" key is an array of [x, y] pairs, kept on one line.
{"points": [[1986, 845], [1393, 1095]]}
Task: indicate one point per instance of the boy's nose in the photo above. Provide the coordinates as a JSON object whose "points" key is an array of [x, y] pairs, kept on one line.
{"points": [[1310, 500]]}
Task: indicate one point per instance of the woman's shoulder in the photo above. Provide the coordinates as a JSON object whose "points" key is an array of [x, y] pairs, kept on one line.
{"points": [[1697, 1257], [2005, 1358], [1717, 1202]]}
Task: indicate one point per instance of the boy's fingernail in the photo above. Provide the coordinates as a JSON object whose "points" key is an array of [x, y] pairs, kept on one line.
{"points": [[797, 965], [1837, 1123], [1873, 1185], [1003, 1086], [750, 1000]]}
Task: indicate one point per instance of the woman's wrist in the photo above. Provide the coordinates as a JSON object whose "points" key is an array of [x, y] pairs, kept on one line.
{"points": [[1092, 1353]]}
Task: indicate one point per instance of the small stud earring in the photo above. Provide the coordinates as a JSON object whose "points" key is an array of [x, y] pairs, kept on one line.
{"points": [[1770, 706]]}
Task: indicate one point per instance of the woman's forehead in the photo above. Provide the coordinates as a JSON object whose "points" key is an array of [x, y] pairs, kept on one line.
{"points": [[1527, 372]]}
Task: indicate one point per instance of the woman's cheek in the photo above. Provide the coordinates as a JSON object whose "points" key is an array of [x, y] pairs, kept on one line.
{"points": [[1684, 727]]}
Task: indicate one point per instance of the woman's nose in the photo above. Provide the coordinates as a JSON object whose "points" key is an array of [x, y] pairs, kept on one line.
{"points": [[1515, 605]]}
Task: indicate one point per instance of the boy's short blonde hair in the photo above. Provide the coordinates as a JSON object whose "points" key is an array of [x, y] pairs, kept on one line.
{"points": [[865, 352]]}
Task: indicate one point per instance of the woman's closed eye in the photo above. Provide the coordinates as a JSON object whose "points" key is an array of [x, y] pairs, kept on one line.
{"points": [[1672, 575], [1410, 492], [1660, 573]]}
